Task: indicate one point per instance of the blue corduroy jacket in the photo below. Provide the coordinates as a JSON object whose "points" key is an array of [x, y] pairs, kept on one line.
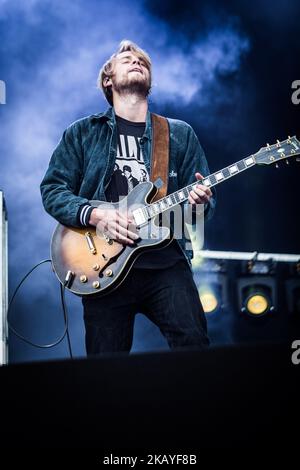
{"points": [[82, 164]]}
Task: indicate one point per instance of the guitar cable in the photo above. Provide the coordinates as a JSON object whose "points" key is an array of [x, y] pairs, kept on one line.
{"points": [[65, 315]]}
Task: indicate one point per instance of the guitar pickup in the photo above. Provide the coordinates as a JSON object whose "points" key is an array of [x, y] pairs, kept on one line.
{"points": [[90, 242], [140, 217]]}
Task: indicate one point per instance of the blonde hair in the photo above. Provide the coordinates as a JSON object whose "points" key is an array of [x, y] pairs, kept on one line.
{"points": [[106, 70]]}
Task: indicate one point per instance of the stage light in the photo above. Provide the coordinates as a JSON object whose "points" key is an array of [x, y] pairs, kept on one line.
{"points": [[257, 303], [260, 293], [257, 295], [211, 282], [209, 299]]}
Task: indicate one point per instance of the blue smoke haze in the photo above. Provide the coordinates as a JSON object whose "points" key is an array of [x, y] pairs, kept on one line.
{"points": [[50, 55]]}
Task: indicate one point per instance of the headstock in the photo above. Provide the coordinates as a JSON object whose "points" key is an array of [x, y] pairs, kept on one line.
{"points": [[279, 151]]}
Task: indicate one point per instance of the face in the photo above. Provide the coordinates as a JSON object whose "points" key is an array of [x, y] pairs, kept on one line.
{"points": [[130, 74]]}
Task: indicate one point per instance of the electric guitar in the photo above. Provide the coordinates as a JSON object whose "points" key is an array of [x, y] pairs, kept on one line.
{"points": [[88, 262]]}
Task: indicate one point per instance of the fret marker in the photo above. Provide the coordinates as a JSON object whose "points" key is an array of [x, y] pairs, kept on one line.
{"points": [[219, 176], [249, 161], [169, 201], [181, 195], [206, 182], [233, 169]]}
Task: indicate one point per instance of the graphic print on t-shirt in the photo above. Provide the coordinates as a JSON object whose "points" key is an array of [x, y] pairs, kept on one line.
{"points": [[129, 169], [129, 162]]}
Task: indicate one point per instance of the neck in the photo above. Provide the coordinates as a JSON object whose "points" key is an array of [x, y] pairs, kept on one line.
{"points": [[131, 107]]}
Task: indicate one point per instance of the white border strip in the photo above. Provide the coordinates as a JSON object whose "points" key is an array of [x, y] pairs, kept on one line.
{"points": [[3, 283], [248, 255]]}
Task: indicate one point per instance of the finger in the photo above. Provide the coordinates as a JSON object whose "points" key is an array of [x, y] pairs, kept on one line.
{"points": [[125, 232], [121, 238], [205, 189], [108, 234], [122, 216], [132, 235], [199, 176], [199, 196], [133, 228], [195, 196], [191, 200], [119, 229], [202, 195], [123, 222], [130, 217], [200, 192], [116, 234], [126, 220]]}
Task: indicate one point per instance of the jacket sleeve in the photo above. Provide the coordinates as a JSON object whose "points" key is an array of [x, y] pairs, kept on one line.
{"points": [[61, 183], [194, 160]]}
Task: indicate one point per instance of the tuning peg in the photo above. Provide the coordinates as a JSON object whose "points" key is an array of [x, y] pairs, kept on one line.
{"points": [[287, 162], [278, 143], [268, 146], [276, 165]]}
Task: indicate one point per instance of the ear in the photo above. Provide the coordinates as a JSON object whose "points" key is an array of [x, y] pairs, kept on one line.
{"points": [[107, 82]]}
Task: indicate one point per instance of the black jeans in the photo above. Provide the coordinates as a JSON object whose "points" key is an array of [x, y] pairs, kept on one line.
{"points": [[168, 297]]}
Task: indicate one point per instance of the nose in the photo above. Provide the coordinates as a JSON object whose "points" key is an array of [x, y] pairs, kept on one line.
{"points": [[136, 61]]}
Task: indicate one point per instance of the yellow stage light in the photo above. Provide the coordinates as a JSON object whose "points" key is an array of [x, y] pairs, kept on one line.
{"points": [[209, 301], [257, 304]]}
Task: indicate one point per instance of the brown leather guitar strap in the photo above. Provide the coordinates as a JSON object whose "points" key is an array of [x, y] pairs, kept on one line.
{"points": [[160, 155]]}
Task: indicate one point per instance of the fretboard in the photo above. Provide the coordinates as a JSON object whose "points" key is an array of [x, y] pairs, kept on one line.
{"points": [[182, 195]]}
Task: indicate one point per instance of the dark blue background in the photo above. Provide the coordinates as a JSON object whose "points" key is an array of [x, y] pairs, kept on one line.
{"points": [[224, 67]]}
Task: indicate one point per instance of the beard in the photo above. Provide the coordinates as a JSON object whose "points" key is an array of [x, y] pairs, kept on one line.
{"points": [[133, 86]]}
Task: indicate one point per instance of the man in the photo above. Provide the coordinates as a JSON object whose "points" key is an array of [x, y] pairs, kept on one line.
{"points": [[132, 181], [81, 169]]}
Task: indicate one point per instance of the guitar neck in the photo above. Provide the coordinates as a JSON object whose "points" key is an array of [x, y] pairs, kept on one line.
{"points": [[211, 180]]}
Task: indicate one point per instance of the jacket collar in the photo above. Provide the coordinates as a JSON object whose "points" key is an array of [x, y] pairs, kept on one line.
{"points": [[110, 117]]}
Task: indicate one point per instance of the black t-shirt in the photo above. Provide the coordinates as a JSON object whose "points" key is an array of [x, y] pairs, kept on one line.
{"points": [[129, 171]]}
